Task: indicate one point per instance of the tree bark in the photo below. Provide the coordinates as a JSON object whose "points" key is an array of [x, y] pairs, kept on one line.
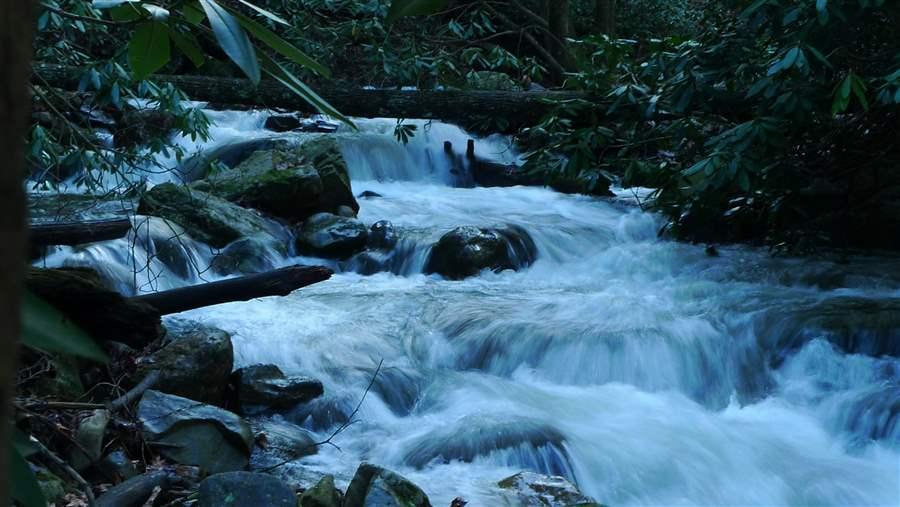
{"points": [[279, 282], [605, 17], [77, 233], [16, 34], [560, 25], [517, 108]]}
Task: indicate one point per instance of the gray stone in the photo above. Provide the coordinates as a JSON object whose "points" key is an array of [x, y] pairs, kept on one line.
{"points": [[323, 494], [116, 466], [528, 489], [466, 251], [281, 440], [245, 489], [89, 439], [331, 236], [196, 362], [382, 236], [245, 256], [193, 433], [264, 386], [373, 486]]}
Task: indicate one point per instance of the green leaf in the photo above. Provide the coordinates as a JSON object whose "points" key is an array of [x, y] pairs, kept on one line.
{"points": [[149, 49], [109, 4], [265, 13], [232, 39], [24, 487], [400, 8], [187, 44], [283, 47], [127, 12], [45, 328], [293, 84], [822, 11], [193, 14]]}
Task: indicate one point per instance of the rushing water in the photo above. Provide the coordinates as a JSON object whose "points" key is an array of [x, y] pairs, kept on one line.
{"points": [[642, 369]]}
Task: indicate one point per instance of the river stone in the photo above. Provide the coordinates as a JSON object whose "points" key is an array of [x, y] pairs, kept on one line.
{"points": [[245, 256], [116, 466], [195, 364], [277, 438], [271, 182], [264, 386], [227, 155], [323, 494], [193, 433], [528, 489], [331, 236], [89, 440], [324, 153], [245, 489], [382, 236], [466, 251], [205, 217], [373, 486]]}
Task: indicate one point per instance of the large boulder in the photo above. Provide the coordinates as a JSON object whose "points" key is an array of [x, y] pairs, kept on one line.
{"points": [[195, 364], [466, 251], [323, 494], [324, 153], [528, 489], [373, 486], [227, 155], [263, 387], [245, 489], [193, 433], [332, 236], [205, 217]]}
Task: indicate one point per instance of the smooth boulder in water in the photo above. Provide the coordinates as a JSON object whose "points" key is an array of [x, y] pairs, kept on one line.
{"points": [[466, 251], [264, 386], [240, 489], [196, 363], [245, 256], [278, 440], [373, 486], [528, 489], [382, 236], [331, 236], [193, 433]]}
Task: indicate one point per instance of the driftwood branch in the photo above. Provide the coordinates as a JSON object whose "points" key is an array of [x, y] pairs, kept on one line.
{"points": [[126, 399], [279, 282], [76, 233]]}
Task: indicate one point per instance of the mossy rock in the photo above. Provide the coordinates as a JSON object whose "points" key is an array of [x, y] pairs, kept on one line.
{"points": [[373, 486], [324, 153]]}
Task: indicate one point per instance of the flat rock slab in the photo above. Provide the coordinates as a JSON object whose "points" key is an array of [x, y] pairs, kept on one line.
{"points": [[245, 489]]}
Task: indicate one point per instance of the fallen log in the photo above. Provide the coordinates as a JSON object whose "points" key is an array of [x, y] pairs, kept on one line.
{"points": [[77, 233], [279, 282], [516, 108]]}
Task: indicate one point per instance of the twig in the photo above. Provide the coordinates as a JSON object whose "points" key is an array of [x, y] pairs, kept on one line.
{"points": [[346, 424], [67, 469], [149, 381]]}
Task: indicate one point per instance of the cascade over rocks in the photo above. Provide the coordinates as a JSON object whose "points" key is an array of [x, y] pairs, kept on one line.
{"points": [[248, 489], [466, 251], [263, 387], [332, 236], [205, 217], [196, 362], [373, 486], [528, 489], [193, 433]]}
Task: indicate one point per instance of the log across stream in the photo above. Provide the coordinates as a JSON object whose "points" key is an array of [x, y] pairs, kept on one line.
{"points": [[642, 369]]}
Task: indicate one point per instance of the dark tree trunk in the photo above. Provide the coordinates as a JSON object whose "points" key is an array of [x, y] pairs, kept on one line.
{"points": [[605, 17], [76, 233], [560, 25], [517, 108], [16, 33]]}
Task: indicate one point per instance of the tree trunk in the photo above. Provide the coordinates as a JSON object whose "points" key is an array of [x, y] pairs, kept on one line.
{"points": [[517, 108], [560, 25], [605, 17], [16, 33], [77, 233]]}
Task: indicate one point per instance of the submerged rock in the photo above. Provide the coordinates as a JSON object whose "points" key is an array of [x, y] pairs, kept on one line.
{"points": [[264, 386], [195, 364], [193, 433], [466, 251], [205, 217], [368, 194], [240, 489], [281, 440], [332, 236], [373, 486], [245, 256], [528, 489], [323, 494], [382, 236]]}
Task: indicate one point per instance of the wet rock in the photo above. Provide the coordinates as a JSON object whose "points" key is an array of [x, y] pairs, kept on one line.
{"points": [[168, 242], [368, 194], [327, 235], [345, 211], [283, 122], [193, 433], [228, 155], [135, 491], [89, 440], [280, 440], [205, 217], [537, 444], [382, 236], [528, 489], [264, 387], [116, 466], [322, 413], [373, 486], [245, 489], [245, 256], [323, 494], [466, 251], [82, 295], [324, 153], [196, 363]]}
